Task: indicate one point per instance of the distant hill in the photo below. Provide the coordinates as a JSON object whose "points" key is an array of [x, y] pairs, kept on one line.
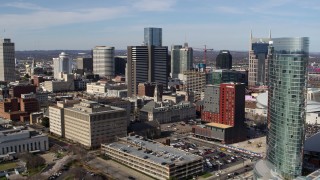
{"points": [[237, 56]]}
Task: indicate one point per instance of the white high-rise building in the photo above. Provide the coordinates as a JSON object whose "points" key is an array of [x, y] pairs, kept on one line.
{"points": [[7, 60], [103, 61], [61, 65]]}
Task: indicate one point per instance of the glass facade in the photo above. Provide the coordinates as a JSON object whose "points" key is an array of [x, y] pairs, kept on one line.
{"points": [[286, 106], [224, 60], [153, 36]]}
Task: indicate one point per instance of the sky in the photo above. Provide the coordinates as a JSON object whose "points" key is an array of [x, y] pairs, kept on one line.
{"points": [[219, 24]]}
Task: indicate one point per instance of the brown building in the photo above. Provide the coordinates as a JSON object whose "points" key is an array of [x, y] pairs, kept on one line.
{"points": [[9, 109], [37, 80], [147, 89], [29, 105], [16, 91]]}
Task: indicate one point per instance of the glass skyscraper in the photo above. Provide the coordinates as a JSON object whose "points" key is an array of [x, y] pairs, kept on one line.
{"points": [[286, 106], [152, 36], [224, 60], [287, 103]]}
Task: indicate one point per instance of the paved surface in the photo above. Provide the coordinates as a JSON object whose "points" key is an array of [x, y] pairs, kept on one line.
{"points": [[253, 146], [116, 170], [57, 166]]}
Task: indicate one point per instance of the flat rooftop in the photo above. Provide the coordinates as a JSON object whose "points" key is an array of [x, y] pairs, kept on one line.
{"points": [[218, 125], [153, 151]]}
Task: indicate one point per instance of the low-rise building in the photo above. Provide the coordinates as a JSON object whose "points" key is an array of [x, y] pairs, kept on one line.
{"points": [[166, 112], [90, 123], [97, 88], [18, 141], [154, 159]]}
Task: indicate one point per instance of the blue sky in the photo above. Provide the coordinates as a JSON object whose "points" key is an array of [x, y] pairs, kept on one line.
{"points": [[83, 24]]}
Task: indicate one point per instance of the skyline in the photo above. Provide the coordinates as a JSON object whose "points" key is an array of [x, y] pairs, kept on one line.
{"points": [[38, 25]]}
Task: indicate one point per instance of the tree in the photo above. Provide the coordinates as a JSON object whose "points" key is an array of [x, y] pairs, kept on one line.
{"points": [[45, 122], [27, 76], [32, 161]]}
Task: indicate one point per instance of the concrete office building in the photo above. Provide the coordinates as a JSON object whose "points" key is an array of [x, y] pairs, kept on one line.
{"points": [[7, 60], [154, 159], [19, 141], [152, 36], [286, 109], [224, 60], [103, 61], [195, 82], [146, 64], [258, 61], [90, 123], [56, 116], [62, 65], [98, 88], [181, 59]]}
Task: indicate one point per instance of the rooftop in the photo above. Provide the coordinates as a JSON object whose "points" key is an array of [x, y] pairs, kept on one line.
{"points": [[218, 125], [153, 151], [312, 106], [312, 143]]}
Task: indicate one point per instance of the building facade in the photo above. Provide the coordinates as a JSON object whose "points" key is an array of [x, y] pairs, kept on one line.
{"points": [[103, 61], [154, 159], [146, 64], [61, 65], [84, 64], [7, 60], [258, 61], [195, 82], [19, 141], [181, 59], [287, 104], [90, 123], [224, 60], [152, 36]]}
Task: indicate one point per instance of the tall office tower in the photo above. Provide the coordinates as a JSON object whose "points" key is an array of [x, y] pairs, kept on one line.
{"points": [[146, 64], [152, 36], [224, 60], [120, 63], [258, 61], [7, 60], [84, 64], [181, 59], [103, 61], [62, 64], [286, 108]]}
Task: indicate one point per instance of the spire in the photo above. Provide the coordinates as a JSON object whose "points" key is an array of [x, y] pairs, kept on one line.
{"points": [[270, 34], [251, 34]]}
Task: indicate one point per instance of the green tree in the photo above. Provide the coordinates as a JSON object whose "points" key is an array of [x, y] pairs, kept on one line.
{"points": [[45, 122]]}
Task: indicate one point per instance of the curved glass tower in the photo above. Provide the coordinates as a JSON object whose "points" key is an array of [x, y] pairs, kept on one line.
{"points": [[286, 106]]}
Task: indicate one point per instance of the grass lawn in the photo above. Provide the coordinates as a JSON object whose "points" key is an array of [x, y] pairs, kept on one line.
{"points": [[206, 175], [6, 166], [36, 170]]}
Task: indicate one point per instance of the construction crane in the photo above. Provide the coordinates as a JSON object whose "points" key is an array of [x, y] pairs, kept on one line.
{"points": [[204, 53]]}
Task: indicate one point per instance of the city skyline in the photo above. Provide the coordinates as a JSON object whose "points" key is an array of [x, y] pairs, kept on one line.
{"points": [[38, 25]]}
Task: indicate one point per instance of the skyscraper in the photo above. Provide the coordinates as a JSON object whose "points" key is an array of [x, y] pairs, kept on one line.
{"points": [[152, 36], [258, 61], [181, 59], [103, 61], [84, 64], [62, 64], [7, 60], [224, 60], [146, 64], [286, 108]]}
